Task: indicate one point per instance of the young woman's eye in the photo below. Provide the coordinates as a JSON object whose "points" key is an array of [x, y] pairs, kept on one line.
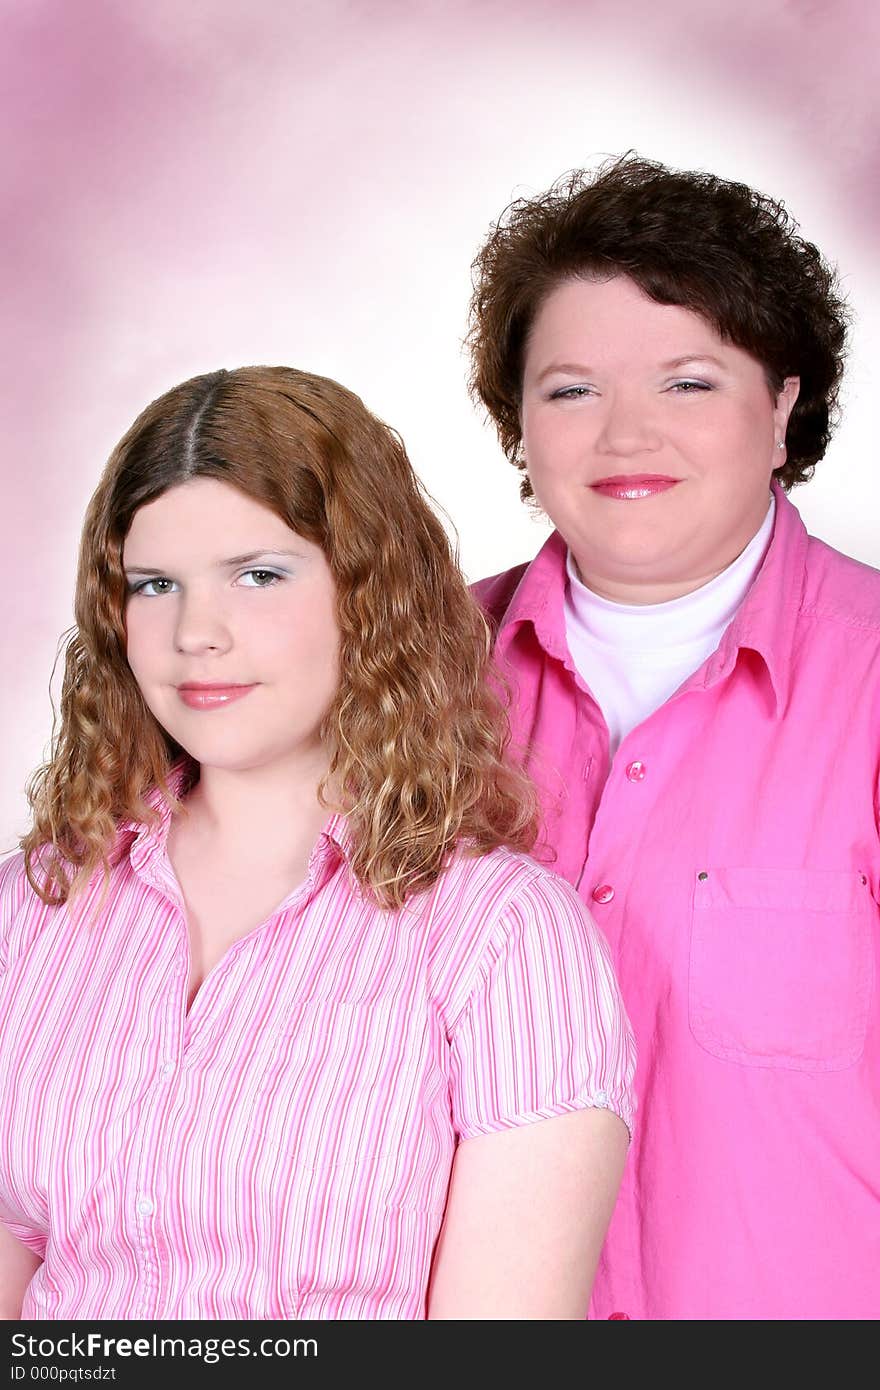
{"points": [[687, 388], [153, 588], [260, 579]]}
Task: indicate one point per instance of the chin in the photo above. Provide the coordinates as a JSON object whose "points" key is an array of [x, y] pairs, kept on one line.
{"points": [[208, 754], [642, 560]]}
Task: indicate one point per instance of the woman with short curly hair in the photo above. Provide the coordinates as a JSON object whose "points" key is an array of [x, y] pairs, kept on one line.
{"points": [[697, 688], [281, 996], [729, 254]]}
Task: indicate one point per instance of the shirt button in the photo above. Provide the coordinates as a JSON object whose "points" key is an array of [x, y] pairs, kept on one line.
{"points": [[619, 1317], [602, 1097], [636, 772], [168, 1069], [603, 893], [145, 1206]]}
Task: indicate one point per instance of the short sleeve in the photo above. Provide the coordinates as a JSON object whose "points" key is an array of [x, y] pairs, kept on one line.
{"points": [[545, 1031]]}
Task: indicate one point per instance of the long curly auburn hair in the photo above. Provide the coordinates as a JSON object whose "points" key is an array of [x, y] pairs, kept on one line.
{"points": [[718, 248], [418, 731]]}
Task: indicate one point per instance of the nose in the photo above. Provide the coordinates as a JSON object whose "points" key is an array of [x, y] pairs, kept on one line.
{"points": [[627, 426], [201, 625]]}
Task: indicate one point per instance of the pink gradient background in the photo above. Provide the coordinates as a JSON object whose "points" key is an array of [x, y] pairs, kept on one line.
{"points": [[215, 183]]}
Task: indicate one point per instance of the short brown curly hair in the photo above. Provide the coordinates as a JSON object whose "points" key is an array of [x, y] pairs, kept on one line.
{"points": [[717, 248]]}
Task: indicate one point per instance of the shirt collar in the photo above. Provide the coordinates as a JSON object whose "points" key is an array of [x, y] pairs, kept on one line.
{"points": [[148, 855], [538, 600], [767, 619], [765, 622]]}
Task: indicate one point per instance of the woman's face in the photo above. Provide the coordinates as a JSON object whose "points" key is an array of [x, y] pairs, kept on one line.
{"points": [[232, 632], [649, 441]]}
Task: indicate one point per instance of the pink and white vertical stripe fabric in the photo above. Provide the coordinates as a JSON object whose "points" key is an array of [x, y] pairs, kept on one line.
{"points": [[283, 1150]]}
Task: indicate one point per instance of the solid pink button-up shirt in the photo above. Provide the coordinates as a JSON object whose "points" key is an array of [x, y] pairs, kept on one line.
{"points": [[730, 853], [283, 1149]]}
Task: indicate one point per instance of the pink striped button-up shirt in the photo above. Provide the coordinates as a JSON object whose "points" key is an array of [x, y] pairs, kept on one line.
{"points": [[283, 1150], [730, 852]]}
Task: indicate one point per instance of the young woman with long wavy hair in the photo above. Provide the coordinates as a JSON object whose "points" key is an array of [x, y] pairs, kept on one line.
{"points": [[292, 1026]]}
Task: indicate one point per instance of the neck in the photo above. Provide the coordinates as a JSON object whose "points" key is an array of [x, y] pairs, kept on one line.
{"points": [[273, 808], [647, 595], [649, 591]]}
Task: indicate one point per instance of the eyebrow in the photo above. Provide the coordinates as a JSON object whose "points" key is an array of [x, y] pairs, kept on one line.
{"points": [[579, 368], [572, 368], [231, 563], [692, 357]]}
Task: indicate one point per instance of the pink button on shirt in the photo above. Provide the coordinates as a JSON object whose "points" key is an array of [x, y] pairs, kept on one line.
{"points": [[730, 854], [282, 1151]]}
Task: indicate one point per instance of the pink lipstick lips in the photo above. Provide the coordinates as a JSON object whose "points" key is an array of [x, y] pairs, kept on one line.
{"points": [[631, 488], [211, 696]]}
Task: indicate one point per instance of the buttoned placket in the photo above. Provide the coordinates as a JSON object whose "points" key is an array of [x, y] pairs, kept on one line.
{"points": [[184, 1036], [630, 796], [627, 795]]}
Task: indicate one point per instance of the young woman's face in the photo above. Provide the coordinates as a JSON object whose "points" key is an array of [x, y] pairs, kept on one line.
{"points": [[232, 631], [649, 441]]}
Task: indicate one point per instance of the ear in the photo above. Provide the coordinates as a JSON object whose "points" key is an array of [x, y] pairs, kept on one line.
{"points": [[785, 405]]}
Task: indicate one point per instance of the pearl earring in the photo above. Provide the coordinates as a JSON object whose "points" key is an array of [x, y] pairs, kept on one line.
{"points": [[780, 443]]}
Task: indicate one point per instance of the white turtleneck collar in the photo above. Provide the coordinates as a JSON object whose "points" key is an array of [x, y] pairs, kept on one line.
{"points": [[634, 656]]}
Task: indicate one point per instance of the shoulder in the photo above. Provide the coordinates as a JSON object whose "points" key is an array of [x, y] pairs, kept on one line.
{"points": [[524, 884], [546, 909], [16, 895], [24, 915], [841, 589], [503, 911], [13, 883], [491, 884], [495, 593]]}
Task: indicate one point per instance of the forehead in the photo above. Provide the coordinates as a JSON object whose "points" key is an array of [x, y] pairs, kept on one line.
{"points": [[615, 319], [205, 512]]}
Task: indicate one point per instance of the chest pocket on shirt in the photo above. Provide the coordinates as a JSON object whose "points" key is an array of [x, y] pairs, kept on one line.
{"points": [[781, 971]]}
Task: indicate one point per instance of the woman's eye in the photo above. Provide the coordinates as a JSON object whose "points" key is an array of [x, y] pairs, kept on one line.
{"points": [[260, 579], [571, 393], [153, 588], [686, 388]]}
